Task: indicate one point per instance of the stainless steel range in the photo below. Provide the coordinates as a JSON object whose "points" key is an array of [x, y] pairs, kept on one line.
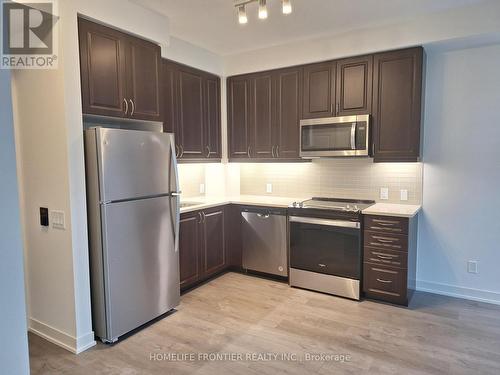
{"points": [[325, 245]]}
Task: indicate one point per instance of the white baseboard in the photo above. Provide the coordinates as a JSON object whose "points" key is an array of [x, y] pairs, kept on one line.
{"points": [[62, 339], [459, 292]]}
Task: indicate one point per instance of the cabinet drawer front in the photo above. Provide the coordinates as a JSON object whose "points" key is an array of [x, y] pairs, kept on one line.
{"points": [[386, 257], [387, 224], [385, 282], [386, 241]]}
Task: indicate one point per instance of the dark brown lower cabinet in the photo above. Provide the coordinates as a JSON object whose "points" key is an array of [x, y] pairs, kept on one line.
{"points": [[202, 245], [390, 258]]}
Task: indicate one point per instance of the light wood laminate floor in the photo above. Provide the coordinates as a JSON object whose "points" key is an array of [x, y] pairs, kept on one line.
{"points": [[239, 315]]}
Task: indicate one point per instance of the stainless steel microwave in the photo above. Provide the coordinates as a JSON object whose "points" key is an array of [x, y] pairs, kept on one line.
{"points": [[335, 136]]}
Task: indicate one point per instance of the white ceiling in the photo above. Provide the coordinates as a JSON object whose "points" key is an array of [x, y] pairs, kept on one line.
{"points": [[213, 24]]}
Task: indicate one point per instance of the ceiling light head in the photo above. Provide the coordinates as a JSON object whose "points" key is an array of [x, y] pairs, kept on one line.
{"points": [[262, 9], [287, 7], [242, 15]]}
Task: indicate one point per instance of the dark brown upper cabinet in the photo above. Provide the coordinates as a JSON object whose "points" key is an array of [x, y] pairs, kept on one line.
{"points": [[354, 86], [288, 112], [191, 109], [238, 116], [319, 90], [119, 73], [397, 93], [264, 111], [262, 107], [213, 117], [191, 126], [143, 72]]}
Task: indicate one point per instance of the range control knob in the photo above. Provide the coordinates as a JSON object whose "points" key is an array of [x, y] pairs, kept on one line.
{"points": [[356, 208]]}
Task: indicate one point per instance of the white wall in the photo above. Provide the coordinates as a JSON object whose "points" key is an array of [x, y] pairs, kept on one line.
{"points": [[460, 220], [14, 343], [479, 20]]}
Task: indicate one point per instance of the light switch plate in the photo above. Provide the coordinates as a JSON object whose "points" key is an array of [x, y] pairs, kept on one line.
{"points": [[472, 266], [202, 188], [269, 188], [57, 219], [384, 193], [404, 194]]}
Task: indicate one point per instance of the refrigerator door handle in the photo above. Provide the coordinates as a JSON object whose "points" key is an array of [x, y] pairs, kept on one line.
{"points": [[175, 194]]}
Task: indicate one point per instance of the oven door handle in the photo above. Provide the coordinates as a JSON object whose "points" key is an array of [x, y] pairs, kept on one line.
{"points": [[353, 136], [327, 222]]}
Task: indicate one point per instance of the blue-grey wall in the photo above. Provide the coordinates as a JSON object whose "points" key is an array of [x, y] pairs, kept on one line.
{"points": [[461, 183], [14, 342]]}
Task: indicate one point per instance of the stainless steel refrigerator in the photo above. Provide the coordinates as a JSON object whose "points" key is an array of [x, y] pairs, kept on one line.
{"points": [[133, 209]]}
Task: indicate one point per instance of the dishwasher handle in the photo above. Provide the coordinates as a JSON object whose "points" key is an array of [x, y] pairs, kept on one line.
{"points": [[264, 216]]}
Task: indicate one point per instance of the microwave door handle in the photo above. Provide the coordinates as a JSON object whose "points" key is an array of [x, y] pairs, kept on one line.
{"points": [[353, 136]]}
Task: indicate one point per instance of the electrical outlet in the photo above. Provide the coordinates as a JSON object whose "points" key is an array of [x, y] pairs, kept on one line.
{"points": [[384, 193], [57, 218], [404, 194], [202, 188], [269, 188], [472, 266]]}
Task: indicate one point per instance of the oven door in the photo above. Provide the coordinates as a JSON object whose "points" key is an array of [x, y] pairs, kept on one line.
{"points": [[331, 247], [334, 136]]}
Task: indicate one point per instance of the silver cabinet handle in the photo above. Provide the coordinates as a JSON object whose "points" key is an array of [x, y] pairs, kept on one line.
{"points": [[176, 151], [272, 151], [204, 216], [176, 193], [248, 152], [321, 265], [337, 108], [200, 217], [208, 151], [126, 105], [277, 151], [384, 281], [182, 151], [385, 239], [133, 107], [385, 222]]}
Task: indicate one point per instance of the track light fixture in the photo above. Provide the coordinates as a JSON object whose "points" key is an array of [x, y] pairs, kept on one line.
{"points": [[262, 9], [242, 14]]}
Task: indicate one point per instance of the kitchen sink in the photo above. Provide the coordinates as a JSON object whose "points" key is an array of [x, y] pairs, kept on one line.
{"points": [[189, 204]]}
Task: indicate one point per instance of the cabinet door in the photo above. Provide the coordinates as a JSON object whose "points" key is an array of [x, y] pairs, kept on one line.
{"points": [[238, 95], [190, 113], [102, 66], [397, 91], [189, 249], [288, 112], [354, 86], [212, 115], [143, 71], [214, 246], [169, 95], [319, 90], [262, 105]]}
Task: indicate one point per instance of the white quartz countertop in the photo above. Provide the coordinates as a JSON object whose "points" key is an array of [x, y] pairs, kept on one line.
{"points": [[393, 209], [202, 202], [256, 200]]}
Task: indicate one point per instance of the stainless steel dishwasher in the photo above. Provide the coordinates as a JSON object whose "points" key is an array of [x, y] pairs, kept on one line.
{"points": [[264, 240]]}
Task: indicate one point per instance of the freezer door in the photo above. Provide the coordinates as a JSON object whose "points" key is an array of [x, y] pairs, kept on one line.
{"points": [[133, 164], [141, 264]]}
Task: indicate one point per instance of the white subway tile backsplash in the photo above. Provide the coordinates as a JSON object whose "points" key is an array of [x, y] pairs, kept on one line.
{"points": [[342, 178]]}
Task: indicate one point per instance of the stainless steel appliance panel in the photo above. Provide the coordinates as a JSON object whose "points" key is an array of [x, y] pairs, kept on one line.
{"points": [[132, 163], [141, 263], [335, 136], [319, 282], [264, 242]]}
